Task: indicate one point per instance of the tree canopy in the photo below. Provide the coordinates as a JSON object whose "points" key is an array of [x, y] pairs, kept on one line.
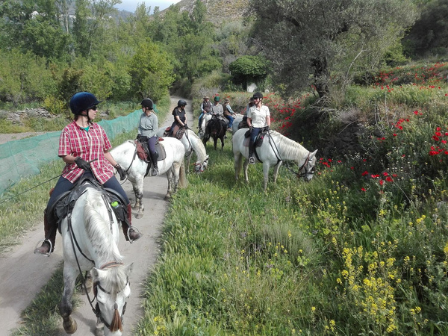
{"points": [[308, 41]]}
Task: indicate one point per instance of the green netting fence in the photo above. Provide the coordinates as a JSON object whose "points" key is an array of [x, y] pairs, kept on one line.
{"points": [[22, 158]]}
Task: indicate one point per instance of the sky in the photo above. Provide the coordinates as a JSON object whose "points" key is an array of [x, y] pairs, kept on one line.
{"points": [[131, 5]]}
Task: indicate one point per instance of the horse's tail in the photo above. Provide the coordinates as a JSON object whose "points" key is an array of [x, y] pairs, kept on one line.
{"points": [[183, 182]]}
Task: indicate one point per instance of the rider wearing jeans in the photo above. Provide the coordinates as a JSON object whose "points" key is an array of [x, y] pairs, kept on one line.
{"points": [[258, 118], [83, 146], [206, 107], [147, 127]]}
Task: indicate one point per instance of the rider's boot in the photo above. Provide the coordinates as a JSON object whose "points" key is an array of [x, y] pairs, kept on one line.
{"points": [[155, 169], [50, 237], [129, 232], [251, 151]]}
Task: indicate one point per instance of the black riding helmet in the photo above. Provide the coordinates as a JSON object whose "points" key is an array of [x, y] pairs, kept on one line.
{"points": [[257, 95], [181, 102], [82, 101], [147, 102]]}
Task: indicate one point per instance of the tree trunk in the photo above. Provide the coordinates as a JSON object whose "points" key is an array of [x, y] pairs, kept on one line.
{"points": [[321, 76]]}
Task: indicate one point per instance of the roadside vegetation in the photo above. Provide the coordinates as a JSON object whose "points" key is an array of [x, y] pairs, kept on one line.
{"points": [[362, 249]]}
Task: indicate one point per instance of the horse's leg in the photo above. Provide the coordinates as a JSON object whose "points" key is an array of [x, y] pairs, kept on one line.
{"points": [[265, 174], [222, 142], [169, 175], [245, 167], [237, 164], [276, 168], [138, 196], [65, 307], [138, 190], [176, 169], [88, 283], [215, 142]]}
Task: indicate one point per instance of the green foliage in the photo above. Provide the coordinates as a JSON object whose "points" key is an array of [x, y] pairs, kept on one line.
{"points": [[429, 35], [151, 71], [309, 42], [249, 69]]}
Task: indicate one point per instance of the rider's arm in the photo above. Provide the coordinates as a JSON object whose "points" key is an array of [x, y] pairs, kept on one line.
{"points": [[179, 121], [110, 158], [68, 159]]}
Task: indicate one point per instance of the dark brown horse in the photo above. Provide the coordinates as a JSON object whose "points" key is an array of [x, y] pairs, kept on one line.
{"points": [[216, 128]]}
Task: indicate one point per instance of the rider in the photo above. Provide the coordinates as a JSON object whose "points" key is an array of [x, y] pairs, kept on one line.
{"points": [[180, 119], [81, 141], [148, 126], [206, 107], [217, 109], [228, 113], [258, 118]]}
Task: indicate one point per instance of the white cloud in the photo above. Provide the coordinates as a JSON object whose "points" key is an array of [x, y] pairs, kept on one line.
{"points": [[131, 5]]}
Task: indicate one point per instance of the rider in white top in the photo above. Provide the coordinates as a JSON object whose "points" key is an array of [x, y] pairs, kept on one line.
{"points": [[258, 118]]}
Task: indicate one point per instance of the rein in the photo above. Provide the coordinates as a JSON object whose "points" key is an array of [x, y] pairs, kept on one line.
{"points": [[298, 173]]}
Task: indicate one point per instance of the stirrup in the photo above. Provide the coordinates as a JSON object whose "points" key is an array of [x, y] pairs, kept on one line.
{"points": [[135, 230], [251, 160], [40, 243]]}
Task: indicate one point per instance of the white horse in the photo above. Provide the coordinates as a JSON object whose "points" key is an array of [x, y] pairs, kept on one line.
{"points": [[236, 122], [173, 165], [275, 149], [90, 242], [192, 143], [205, 119]]}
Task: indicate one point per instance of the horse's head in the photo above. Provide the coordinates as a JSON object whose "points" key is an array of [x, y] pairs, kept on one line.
{"points": [[306, 170], [199, 166], [112, 289]]}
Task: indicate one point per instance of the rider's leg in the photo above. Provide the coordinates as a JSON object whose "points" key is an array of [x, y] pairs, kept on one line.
{"points": [[231, 119], [200, 120], [50, 227], [129, 232], [152, 150], [253, 136]]}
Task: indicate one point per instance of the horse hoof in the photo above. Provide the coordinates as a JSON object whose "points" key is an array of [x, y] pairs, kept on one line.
{"points": [[70, 326], [167, 197], [139, 215], [99, 331]]}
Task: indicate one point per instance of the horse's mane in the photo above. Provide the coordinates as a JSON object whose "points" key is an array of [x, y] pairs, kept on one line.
{"points": [[199, 146], [287, 148], [98, 227]]}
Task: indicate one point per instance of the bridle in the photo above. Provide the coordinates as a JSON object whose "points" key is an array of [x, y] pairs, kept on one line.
{"points": [[299, 172], [97, 286]]}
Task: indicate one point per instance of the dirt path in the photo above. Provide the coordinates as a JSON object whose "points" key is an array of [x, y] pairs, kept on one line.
{"points": [[23, 274]]}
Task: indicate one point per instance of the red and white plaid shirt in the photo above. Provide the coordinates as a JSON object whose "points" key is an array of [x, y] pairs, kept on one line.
{"points": [[89, 145]]}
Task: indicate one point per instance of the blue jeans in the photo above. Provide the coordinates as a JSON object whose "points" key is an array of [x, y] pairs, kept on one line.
{"points": [[253, 136], [200, 119], [231, 119]]}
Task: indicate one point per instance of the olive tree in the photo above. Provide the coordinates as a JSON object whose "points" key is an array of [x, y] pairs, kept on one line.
{"points": [[308, 41]]}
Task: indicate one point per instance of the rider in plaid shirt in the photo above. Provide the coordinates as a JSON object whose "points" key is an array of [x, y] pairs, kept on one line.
{"points": [[83, 146]]}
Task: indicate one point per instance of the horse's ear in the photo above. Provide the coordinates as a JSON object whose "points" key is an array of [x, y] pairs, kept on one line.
{"points": [[128, 269], [97, 274], [313, 154]]}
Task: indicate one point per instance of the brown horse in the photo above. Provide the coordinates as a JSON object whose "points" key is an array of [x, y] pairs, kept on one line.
{"points": [[216, 128]]}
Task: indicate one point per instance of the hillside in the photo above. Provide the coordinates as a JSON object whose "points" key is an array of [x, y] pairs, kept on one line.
{"points": [[218, 11]]}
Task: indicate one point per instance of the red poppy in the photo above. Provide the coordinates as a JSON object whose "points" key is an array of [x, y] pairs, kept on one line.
{"points": [[365, 173], [363, 189], [381, 182]]}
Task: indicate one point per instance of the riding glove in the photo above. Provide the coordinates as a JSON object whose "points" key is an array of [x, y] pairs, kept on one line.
{"points": [[267, 128], [81, 163], [121, 172], [251, 128]]}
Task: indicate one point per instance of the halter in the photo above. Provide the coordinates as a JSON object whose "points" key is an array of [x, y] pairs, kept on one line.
{"points": [[300, 174], [96, 287]]}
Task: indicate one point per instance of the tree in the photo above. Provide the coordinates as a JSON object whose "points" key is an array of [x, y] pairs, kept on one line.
{"points": [[151, 72], [248, 68], [430, 32], [308, 41]]}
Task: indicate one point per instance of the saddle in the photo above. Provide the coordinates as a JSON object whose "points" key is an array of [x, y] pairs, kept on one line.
{"points": [[66, 202], [178, 132], [143, 149], [259, 139]]}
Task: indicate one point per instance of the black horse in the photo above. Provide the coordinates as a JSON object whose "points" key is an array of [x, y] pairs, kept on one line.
{"points": [[216, 128]]}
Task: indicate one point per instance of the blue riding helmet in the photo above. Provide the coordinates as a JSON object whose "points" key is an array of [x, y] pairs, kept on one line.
{"points": [[82, 101]]}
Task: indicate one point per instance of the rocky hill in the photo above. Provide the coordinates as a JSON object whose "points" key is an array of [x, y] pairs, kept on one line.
{"points": [[219, 11]]}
